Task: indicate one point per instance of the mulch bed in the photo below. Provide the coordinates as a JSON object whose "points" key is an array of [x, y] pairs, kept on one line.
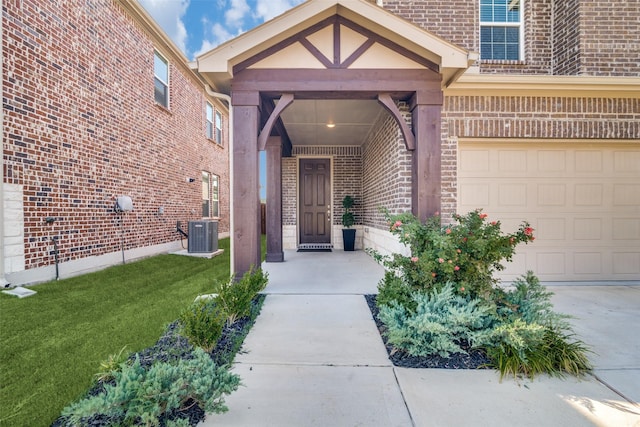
{"points": [[475, 359], [172, 346]]}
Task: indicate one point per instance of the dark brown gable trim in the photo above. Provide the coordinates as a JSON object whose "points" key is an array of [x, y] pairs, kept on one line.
{"points": [[388, 43], [336, 21], [336, 83]]}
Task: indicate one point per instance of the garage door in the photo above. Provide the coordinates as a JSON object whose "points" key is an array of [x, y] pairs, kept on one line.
{"points": [[582, 199]]}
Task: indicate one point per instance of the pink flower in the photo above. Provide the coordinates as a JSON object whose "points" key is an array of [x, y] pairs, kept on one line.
{"points": [[528, 231], [459, 251], [440, 260], [414, 259], [483, 215], [462, 289], [448, 231], [493, 222], [398, 223], [456, 268], [433, 274]]}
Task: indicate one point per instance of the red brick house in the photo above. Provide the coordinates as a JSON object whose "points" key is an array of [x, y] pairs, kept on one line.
{"points": [[528, 109], [98, 103]]}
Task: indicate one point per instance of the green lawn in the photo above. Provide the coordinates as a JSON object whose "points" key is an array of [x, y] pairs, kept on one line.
{"points": [[52, 343]]}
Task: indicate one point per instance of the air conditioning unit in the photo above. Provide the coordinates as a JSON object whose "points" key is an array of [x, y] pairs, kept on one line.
{"points": [[203, 236]]}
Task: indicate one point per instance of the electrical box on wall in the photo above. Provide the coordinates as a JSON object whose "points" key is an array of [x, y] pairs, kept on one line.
{"points": [[124, 204], [203, 237]]}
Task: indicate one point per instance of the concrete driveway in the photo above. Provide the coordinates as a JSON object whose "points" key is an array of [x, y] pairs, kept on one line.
{"points": [[315, 358]]}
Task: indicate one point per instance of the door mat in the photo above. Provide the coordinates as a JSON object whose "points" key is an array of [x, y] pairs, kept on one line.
{"points": [[314, 250]]}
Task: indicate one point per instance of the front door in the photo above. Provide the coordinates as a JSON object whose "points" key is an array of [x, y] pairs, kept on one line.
{"points": [[315, 201]]}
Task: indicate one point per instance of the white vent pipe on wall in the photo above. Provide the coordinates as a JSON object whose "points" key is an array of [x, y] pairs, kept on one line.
{"points": [[227, 99]]}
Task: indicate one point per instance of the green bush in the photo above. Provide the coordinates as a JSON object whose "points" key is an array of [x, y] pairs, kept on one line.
{"points": [[466, 253], [529, 301], [392, 289], [529, 349], [142, 396], [202, 323], [234, 298], [443, 320]]}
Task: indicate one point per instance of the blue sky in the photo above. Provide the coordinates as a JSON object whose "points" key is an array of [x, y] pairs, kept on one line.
{"points": [[197, 26]]}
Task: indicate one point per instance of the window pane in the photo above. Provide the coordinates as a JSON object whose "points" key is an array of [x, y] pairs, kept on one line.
{"points": [[205, 185], [513, 52], [218, 128], [498, 34], [205, 208], [215, 205], [209, 130], [160, 92], [499, 51], [160, 68], [209, 112]]}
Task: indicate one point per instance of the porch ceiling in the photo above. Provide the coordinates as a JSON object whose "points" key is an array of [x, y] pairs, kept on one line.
{"points": [[306, 121]]}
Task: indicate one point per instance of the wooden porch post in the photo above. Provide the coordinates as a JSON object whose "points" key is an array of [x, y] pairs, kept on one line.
{"points": [[245, 191], [426, 109], [274, 199]]}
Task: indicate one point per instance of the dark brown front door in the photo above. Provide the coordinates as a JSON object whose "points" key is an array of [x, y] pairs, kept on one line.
{"points": [[315, 201]]}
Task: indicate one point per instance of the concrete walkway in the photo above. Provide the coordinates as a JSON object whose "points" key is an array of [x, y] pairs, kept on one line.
{"points": [[315, 358]]}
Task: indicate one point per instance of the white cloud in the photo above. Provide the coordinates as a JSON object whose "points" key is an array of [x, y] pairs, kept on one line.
{"points": [[219, 34], [235, 15], [169, 14], [267, 9]]}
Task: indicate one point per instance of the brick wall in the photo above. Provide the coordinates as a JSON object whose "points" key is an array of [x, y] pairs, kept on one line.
{"points": [[566, 35], [386, 174], [81, 126], [591, 37], [610, 38]]}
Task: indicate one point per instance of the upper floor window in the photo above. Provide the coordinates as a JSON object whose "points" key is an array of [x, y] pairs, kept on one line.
{"points": [[161, 80], [218, 127], [501, 29], [209, 121]]}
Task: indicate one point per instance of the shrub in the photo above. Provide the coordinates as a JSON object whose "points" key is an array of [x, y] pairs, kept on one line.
{"points": [[529, 301], [142, 396], [466, 253], [234, 298], [111, 364], [202, 323], [442, 321], [392, 289], [522, 348]]}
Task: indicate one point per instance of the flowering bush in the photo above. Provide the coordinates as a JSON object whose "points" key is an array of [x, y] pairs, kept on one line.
{"points": [[466, 253]]}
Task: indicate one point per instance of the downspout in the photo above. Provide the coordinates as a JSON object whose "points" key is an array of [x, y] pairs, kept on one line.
{"points": [[3, 281], [227, 99]]}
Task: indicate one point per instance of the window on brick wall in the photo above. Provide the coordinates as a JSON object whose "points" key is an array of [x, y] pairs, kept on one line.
{"points": [[215, 196], [501, 30], [206, 194], [218, 127], [210, 195], [161, 79], [209, 121]]}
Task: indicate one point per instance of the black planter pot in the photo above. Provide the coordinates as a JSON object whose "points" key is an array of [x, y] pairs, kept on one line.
{"points": [[349, 238]]}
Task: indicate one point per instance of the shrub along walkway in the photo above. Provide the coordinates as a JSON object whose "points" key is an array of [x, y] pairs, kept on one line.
{"points": [[315, 358]]}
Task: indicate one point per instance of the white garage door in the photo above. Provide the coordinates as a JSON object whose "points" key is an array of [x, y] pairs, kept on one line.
{"points": [[583, 200]]}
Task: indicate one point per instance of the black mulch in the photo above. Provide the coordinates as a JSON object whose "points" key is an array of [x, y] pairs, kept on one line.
{"points": [[475, 359], [171, 347]]}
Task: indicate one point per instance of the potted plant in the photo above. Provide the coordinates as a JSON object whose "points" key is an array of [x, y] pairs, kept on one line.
{"points": [[348, 219]]}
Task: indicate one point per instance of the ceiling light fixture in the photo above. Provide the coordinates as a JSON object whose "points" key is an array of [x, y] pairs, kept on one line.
{"points": [[331, 125]]}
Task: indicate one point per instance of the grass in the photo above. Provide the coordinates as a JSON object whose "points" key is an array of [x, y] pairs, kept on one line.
{"points": [[53, 342]]}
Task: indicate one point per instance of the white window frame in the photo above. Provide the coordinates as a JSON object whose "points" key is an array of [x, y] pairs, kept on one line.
{"points": [[519, 24], [209, 120], [158, 56], [215, 196], [218, 127]]}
